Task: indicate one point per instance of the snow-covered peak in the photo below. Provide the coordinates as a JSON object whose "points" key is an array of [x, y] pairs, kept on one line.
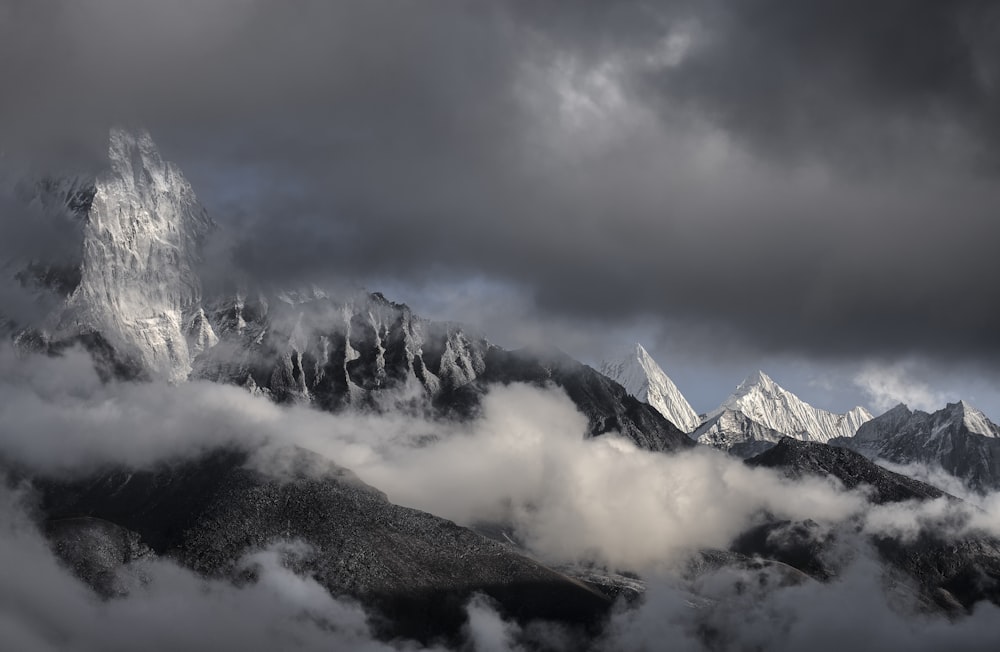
{"points": [[139, 286], [756, 381], [974, 420], [644, 379], [765, 402]]}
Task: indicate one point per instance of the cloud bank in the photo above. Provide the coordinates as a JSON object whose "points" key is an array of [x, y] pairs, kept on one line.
{"points": [[524, 461]]}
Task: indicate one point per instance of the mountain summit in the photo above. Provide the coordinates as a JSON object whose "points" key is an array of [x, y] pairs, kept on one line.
{"points": [[138, 284], [644, 379], [760, 411]]}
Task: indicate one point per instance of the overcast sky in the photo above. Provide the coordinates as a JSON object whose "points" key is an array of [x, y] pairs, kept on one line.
{"points": [[809, 187]]}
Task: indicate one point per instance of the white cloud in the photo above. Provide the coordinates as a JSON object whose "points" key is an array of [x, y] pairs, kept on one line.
{"points": [[525, 460], [889, 384]]}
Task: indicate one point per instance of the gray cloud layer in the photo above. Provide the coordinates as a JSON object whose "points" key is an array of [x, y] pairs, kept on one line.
{"points": [[816, 177]]}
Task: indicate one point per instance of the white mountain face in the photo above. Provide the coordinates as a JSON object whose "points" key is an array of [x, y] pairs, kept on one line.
{"points": [[958, 438], [760, 409], [643, 378], [138, 281]]}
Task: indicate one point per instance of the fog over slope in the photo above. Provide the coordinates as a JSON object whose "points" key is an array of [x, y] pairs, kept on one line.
{"points": [[525, 460]]}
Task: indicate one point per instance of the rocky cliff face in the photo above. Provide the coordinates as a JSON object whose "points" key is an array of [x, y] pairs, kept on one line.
{"points": [[138, 283], [362, 351]]}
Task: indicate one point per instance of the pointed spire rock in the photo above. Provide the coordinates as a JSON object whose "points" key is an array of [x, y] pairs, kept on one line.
{"points": [[644, 379], [139, 285]]}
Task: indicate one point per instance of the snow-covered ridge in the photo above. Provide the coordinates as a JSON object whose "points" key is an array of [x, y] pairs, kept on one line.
{"points": [[644, 379], [761, 410], [139, 285], [767, 403]]}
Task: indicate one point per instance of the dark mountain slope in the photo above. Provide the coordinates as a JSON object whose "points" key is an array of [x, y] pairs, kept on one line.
{"points": [[951, 570], [415, 569], [798, 458]]}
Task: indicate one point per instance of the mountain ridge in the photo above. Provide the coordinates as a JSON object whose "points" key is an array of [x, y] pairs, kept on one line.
{"points": [[760, 410], [958, 438]]}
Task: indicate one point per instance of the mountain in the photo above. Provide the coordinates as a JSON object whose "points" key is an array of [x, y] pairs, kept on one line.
{"points": [[760, 410], [643, 378], [951, 573], [136, 302], [207, 513], [134, 281], [139, 285], [369, 352], [958, 438]]}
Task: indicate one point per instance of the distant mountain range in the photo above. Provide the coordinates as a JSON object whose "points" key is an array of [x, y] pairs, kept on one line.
{"points": [[959, 439]]}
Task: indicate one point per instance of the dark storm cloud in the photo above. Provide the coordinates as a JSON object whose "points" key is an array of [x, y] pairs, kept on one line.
{"points": [[817, 77], [814, 177]]}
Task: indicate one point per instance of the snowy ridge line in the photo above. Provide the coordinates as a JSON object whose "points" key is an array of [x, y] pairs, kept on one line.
{"points": [[644, 379], [760, 410]]}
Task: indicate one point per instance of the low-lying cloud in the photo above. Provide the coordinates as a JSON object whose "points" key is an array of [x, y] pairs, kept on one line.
{"points": [[523, 462], [887, 385]]}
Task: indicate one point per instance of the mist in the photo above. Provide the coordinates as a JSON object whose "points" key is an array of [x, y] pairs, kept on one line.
{"points": [[523, 462]]}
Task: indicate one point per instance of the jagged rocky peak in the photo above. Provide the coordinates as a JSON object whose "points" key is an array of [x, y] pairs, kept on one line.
{"points": [[336, 351], [141, 248], [644, 379]]}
